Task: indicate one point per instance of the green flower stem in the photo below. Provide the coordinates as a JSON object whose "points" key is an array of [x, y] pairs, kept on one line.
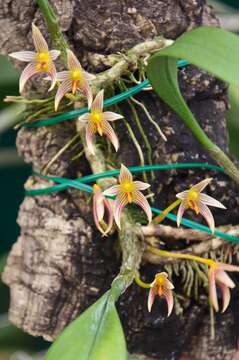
{"points": [[56, 34]]}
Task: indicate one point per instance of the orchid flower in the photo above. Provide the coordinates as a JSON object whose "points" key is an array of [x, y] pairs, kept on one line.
{"points": [[196, 200], [127, 192], [162, 287], [40, 61], [217, 276], [97, 121], [74, 79], [100, 204]]}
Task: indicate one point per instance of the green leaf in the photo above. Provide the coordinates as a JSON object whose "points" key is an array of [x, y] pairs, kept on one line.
{"points": [[212, 49], [232, 117], [95, 335]]}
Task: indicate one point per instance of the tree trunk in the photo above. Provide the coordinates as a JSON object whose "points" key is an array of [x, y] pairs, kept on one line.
{"points": [[60, 264]]}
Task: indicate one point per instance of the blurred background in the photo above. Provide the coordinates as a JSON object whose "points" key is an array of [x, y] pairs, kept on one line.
{"points": [[14, 344]]}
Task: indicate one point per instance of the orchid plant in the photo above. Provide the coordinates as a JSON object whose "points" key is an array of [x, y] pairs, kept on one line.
{"points": [[109, 203]]}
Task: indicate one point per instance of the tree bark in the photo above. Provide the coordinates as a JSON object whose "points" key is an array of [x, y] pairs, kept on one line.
{"points": [[60, 264]]}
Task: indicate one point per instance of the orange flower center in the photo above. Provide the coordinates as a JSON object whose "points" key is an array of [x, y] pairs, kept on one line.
{"points": [[128, 187], [76, 77], [160, 281], [43, 61], [96, 188], [193, 200], [96, 118]]}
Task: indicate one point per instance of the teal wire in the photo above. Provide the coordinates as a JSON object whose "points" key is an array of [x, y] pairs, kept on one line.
{"points": [[108, 102], [82, 186], [134, 169], [194, 225]]}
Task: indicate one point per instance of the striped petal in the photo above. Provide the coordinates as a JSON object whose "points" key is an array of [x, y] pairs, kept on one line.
{"points": [[98, 206], [110, 134], [111, 116], [202, 184], [120, 203], [64, 88], [169, 285], [224, 278], [226, 296], [27, 73], [206, 213], [112, 191], [24, 55], [212, 289], [228, 267], [151, 298], [38, 40], [140, 185], [89, 139], [182, 195], [88, 76], [125, 174], [86, 90], [140, 200], [63, 75], [181, 210], [208, 200], [110, 216], [73, 62], [53, 75], [83, 119], [54, 54], [97, 104], [168, 294]]}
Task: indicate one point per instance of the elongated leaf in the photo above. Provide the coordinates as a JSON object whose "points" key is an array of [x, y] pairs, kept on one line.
{"points": [[232, 117], [212, 49], [96, 335]]}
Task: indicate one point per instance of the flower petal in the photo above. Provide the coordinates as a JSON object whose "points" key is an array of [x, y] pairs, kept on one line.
{"points": [[53, 75], [98, 206], [151, 298], [27, 73], [202, 184], [64, 88], [97, 104], [169, 285], [120, 203], [111, 116], [168, 294], [54, 54], [125, 174], [88, 76], [224, 278], [180, 212], [112, 191], [212, 288], [38, 40], [228, 267], [208, 200], [226, 296], [73, 62], [83, 119], [140, 185], [86, 90], [140, 200], [110, 134], [206, 213], [63, 75], [110, 216], [182, 195], [23, 55], [89, 139]]}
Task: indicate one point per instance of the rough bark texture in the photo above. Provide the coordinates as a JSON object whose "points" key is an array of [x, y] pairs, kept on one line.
{"points": [[60, 264]]}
